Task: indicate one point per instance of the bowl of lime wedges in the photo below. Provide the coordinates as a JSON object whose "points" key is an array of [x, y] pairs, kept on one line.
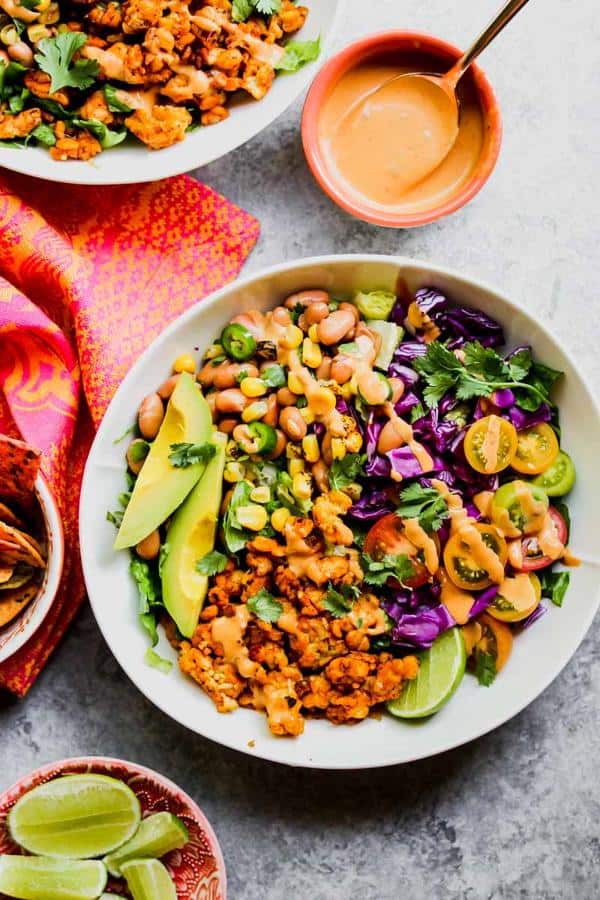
{"points": [[95, 827]]}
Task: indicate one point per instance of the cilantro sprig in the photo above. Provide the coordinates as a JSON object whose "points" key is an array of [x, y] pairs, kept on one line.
{"points": [[555, 585], [243, 9], [185, 454], [480, 372], [485, 668], [344, 472], [377, 571], [264, 606], [425, 504], [55, 58], [340, 603], [212, 563]]}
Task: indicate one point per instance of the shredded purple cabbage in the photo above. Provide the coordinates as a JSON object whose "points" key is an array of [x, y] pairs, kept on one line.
{"points": [[538, 612]]}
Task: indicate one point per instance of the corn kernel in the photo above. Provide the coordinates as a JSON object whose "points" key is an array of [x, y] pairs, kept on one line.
{"points": [[260, 494], [234, 472], [295, 384], [37, 32], [255, 411], [354, 442], [338, 448], [302, 486], [42, 6], [213, 351], [293, 451], [295, 466], [185, 363], [307, 414], [353, 384], [310, 446], [322, 401], [51, 15], [291, 338], [311, 354], [279, 517], [253, 387], [353, 490], [252, 516], [346, 391], [313, 333]]}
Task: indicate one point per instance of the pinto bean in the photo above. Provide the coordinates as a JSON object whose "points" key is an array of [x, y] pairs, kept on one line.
{"points": [[227, 425], [292, 423], [281, 315], [150, 416], [341, 369], [351, 308], [305, 297], [335, 327], [231, 401], [149, 548], [285, 397], [324, 370], [321, 475], [271, 416], [21, 53], [133, 462], [316, 312], [279, 446], [226, 374], [206, 375], [167, 387]]}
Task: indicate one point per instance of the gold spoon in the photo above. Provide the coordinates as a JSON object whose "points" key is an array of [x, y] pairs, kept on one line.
{"points": [[431, 105]]}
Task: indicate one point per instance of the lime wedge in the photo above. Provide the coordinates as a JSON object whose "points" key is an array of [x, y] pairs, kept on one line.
{"points": [[76, 816], [148, 879], [157, 835], [441, 671], [40, 878]]}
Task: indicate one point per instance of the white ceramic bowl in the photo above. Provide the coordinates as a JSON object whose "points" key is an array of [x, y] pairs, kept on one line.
{"points": [[539, 653], [18, 632], [131, 162]]}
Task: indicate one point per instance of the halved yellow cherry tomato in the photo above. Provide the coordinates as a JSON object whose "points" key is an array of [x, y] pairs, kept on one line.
{"points": [[496, 639], [490, 444], [462, 567], [504, 609], [537, 448]]}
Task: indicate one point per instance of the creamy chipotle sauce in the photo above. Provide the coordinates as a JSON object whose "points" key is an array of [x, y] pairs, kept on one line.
{"points": [[381, 146]]}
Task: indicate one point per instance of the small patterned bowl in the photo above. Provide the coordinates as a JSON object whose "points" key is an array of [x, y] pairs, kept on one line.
{"points": [[198, 870]]}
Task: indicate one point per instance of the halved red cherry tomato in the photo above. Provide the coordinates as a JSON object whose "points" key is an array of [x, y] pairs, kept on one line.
{"points": [[463, 569], [387, 537], [530, 558], [537, 448], [490, 444]]}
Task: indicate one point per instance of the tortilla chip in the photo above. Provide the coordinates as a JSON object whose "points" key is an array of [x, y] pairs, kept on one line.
{"points": [[8, 516], [19, 467], [17, 545], [14, 602], [6, 573]]}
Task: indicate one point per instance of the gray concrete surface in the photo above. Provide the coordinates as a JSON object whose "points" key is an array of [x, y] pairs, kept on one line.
{"points": [[515, 814]]}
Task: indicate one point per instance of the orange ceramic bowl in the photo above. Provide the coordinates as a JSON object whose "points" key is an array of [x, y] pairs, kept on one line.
{"points": [[387, 44]]}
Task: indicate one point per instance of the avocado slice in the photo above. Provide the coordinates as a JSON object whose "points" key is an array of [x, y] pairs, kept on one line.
{"points": [[160, 487], [191, 536]]}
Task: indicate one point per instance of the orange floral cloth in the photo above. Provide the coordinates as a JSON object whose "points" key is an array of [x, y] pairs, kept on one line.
{"points": [[88, 278]]}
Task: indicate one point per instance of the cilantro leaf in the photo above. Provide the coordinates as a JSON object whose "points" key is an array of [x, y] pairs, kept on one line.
{"points": [[241, 10], [124, 435], [162, 557], [267, 7], [440, 369], [55, 57], [425, 504], [377, 571], [265, 606], [184, 454], [344, 472], [113, 102], [274, 376], [485, 668], [338, 603], [144, 578], [115, 518], [297, 54], [235, 536], [519, 364], [212, 563], [554, 585], [152, 658], [417, 412]]}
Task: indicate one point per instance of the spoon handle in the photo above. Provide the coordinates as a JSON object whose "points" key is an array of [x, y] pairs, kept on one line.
{"points": [[508, 11]]}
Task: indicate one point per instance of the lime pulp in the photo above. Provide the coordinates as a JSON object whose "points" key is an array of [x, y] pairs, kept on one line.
{"points": [[440, 672], [148, 879], [41, 878], [75, 817], [157, 835]]}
